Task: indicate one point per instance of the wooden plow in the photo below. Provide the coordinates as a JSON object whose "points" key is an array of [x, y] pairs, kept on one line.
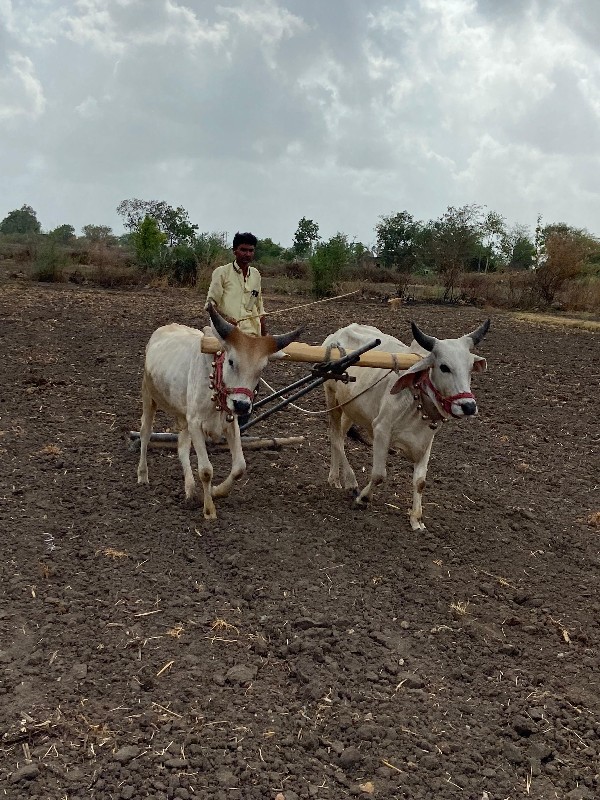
{"points": [[325, 368]]}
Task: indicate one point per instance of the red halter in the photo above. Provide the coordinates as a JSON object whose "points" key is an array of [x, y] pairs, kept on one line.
{"points": [[221, 391], [445, 402]]}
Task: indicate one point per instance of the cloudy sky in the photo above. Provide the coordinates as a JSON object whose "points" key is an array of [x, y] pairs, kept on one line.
{"points": [[254, 113]]}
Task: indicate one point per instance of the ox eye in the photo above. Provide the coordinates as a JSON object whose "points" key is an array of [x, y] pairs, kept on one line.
{"points": [[231, 362], [445, 368]]}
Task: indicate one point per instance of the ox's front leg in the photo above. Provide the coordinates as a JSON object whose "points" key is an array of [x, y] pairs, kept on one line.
{"points": [[184, 442], [381, 446], [339, 424], [146, 422], [419, 476], [238, 462], [205, 470]]}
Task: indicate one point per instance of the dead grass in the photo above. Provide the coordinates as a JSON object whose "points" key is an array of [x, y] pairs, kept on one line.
{"points": [[565, 322]]}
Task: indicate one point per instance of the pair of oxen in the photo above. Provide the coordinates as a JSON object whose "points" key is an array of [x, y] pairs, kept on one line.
{"points": [[205, 394]]}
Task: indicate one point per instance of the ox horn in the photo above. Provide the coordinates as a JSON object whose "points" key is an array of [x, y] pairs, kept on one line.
{"points": [[479, 333], [426, 342], [221, 326], [282, 340]]}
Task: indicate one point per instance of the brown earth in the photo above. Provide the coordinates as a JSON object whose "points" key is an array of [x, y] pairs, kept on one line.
{"points": [[298, 647]]}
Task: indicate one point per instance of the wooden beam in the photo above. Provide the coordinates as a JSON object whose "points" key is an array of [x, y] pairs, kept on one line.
{"points": [[298, 351], [168, 441]]}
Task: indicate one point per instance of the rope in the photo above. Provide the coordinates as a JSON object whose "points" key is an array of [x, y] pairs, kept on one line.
{"points": [[303, 305]]}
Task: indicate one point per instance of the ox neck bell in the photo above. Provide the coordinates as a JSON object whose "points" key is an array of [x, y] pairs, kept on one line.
{"points": [[426, 405]]}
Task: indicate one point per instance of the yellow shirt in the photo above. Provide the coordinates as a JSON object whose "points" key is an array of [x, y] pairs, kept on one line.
{"points": [[237, 298]]}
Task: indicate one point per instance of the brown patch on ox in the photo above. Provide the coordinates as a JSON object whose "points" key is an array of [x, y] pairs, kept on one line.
{"points": [[421, 483], [254, 347]]}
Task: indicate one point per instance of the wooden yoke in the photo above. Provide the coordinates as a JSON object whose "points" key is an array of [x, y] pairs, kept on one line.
{"points": [[313, 354]]}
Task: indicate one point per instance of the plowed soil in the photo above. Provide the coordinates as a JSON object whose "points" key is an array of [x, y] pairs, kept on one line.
{"points": [[297, 647]]}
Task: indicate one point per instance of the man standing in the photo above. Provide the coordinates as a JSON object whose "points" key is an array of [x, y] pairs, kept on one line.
{"points": [[235, 289]]}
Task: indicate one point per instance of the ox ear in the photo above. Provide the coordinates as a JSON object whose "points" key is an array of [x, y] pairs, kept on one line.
{"points": [[409, 377], [222, 328], [479, 364], [280, 341], [426, 342], [477, 335]]}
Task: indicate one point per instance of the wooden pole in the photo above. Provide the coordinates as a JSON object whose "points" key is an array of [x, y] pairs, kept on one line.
{"points": [[168, 441], [298, 351]]}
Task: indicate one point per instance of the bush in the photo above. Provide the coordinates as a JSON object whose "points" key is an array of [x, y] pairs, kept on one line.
{"points": [[328, 263], [49, 264], [182, 265]]}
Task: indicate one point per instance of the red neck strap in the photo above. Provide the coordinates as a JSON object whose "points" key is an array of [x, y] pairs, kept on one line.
{"points": [[445, 402]]}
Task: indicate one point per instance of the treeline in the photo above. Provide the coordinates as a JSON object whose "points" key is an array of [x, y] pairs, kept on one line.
{"points": [[162, 240]]}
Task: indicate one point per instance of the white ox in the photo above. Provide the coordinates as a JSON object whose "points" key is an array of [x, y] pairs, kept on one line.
{"points": [[400, 412], [204, 394]]}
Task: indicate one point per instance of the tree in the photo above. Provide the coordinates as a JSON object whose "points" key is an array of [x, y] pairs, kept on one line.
{"points": [[21, 220], [305, 238], [63, 234], [98, 233], [173, 222], [328, 263], [453, 240], [268, 250], [397, 241], [149, 242], [565, 251]]}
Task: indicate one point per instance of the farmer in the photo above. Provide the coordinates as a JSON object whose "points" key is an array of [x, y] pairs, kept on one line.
{"points": [[235, 289]]}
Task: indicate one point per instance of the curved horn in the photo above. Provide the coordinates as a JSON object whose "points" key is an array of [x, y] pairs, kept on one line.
{"points": [[426, 342], [222, 327], [479, 333], [283, 339]]}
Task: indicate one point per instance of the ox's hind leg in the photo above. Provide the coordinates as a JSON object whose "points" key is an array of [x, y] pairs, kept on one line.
{"points": [[238, 462], [419, 475], [339, 425], [381, 446], [205, 470], [146, 422]]}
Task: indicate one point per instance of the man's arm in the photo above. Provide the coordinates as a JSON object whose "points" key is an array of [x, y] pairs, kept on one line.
{"points": [[215, 294]]}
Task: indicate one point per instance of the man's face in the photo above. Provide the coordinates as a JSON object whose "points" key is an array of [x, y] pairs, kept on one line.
{"points": [[244, 254]]}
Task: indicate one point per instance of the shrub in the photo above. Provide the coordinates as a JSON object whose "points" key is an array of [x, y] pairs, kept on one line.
{"points": [[49, 264], [182, 265]]}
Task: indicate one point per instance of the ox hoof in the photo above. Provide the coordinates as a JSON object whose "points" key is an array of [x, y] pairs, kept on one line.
{"points": [[361, 502], [335, 483], [209, 515], [416, 525], [142, 480]]}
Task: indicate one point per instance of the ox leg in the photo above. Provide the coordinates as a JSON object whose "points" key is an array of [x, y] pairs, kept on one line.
{"points": [[238, 462], [184, 442], [146, 422], [381, 446], [419, 476], [205, 470], [339, 425]]}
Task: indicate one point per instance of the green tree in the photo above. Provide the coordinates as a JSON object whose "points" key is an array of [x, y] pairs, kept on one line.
{"points": [[328, 263], [149, 242], [173, 222], [565, 254], [63, 234], [398, 239], [267, 250], [452, 241], [305, 238], [21, 220]]}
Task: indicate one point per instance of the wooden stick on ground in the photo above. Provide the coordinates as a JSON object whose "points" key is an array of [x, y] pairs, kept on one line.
{"points": [[168, 441]]}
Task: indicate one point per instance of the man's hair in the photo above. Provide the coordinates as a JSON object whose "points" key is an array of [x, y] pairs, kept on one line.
{"points": [[244, 238]]}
